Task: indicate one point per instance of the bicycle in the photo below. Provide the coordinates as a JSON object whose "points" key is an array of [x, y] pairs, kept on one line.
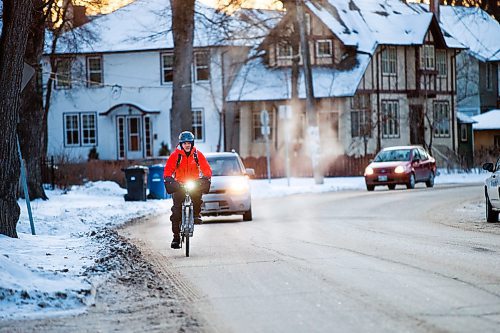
{"points": [[187, 222]]}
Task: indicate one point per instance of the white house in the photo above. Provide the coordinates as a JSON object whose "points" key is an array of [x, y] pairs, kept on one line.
{"points": [[114, 93]]}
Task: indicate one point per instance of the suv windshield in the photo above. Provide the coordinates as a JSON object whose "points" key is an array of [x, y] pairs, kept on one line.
{"points": [[225, 166], [393, 155]]}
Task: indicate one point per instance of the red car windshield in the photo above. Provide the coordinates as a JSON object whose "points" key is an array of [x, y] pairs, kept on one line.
{"points": [[393, 155]]}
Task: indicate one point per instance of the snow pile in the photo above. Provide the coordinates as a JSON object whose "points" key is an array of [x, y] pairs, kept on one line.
{"points": [[43, 274]]}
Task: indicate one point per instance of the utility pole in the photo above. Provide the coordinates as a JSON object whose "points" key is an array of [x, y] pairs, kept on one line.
{"points": [[311, 114]]}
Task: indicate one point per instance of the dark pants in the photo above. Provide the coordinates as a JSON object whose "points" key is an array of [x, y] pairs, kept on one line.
{"points": [[176, 217]]}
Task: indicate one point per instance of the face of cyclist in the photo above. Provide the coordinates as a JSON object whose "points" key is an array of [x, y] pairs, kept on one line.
{"points": [[186, 146]]}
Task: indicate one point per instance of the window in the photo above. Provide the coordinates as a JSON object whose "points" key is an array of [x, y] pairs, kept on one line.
{"points": [[423, 154], [324, 48], [167, 69], [201, 66], [441, 119], [441, 63], [496, 144], [63, 73], [463, 132], [94, 71], [427, 57], [121, 136], [89, 129], [489, 76], [148, 128], [389, 61], [71, 129], [198, 124], [284, 51], [256, 126], [361, 124], [80, 129], [308, 23], [390, 119]]}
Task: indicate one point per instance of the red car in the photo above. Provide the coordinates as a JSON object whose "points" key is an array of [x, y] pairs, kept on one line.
{"points": [[406, 165]]}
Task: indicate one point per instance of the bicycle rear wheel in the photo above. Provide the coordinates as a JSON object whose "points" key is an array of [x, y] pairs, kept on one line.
{"points": [[187, 245]]}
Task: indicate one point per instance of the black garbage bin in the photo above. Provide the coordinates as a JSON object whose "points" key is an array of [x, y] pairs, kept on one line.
{"points": [[137, 182]]}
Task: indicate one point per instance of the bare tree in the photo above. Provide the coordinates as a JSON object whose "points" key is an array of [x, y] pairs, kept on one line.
{"points": [[183, 33], [16, 15]]}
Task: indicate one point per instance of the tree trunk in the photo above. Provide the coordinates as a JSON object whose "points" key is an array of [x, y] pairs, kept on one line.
{"points": [[16, 21], [183, 34], [31, 133]]}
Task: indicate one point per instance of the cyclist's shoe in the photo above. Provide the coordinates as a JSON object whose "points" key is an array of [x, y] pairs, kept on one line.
{"points": [[176, 242]]}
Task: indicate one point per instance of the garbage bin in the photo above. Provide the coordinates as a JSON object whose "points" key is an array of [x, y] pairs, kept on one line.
{"points": [[137, 183], [155, 183]]}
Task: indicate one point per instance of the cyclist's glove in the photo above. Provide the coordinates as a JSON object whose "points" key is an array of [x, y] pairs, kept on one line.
{"points": [[205, 183], [171, 185]]}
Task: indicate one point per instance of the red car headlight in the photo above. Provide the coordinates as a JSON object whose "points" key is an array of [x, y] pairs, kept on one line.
{"points": [[368, 171], [400, 169]]}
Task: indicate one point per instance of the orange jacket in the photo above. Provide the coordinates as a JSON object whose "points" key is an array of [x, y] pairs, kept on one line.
{"points": [[188, 169]]}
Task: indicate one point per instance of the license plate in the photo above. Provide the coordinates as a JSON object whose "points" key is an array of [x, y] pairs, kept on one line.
{"points": [[211, 205], [382, 178]]}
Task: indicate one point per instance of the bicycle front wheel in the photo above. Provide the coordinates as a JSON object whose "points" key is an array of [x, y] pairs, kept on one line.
{"points": [[187, 245]]}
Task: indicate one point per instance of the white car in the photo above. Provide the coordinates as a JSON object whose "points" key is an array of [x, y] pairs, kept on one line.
{"points": [[492, 191], [230, 190]]}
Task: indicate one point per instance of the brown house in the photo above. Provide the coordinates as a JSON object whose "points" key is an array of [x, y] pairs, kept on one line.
{"points": [[382, 76]]}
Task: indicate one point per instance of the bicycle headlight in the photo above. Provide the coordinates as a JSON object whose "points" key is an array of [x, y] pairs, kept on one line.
{"points": [[190, 185], [239, 185]]}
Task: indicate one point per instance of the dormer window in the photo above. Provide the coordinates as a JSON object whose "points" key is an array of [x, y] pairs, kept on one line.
{"points": [[427, 57], [441, 63], [285, 51], [324, 48]]}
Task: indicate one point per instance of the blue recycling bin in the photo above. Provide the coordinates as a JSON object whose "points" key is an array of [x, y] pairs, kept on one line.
{"points": [[155, 183]]}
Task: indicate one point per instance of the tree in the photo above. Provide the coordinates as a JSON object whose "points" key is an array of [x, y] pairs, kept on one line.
{"points": [[31, 133], [16, 20], [183, 34]]}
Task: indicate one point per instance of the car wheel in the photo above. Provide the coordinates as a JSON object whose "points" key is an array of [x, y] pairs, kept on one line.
{"points": [[370, 187], [391, 187], [430, 181], [491, 215], [247, 216], [411, 182]]}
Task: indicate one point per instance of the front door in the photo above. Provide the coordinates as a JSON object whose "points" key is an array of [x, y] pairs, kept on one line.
{"points": [[130, 144], [416, 125]]}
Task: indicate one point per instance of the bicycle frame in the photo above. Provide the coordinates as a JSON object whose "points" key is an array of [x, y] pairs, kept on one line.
{"points": [[187, 222]]}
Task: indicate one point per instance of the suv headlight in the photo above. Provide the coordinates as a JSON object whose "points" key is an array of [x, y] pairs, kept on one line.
{"points": [[368, 171], [239, 185]]}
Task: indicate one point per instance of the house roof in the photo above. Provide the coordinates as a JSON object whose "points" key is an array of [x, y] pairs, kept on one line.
{"points": [[257, 82], [465, 119], [487, 121], [475, 29], [146, 25]]}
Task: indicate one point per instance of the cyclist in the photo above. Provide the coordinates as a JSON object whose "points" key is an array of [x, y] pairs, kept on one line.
{"points": [[184, 164]]}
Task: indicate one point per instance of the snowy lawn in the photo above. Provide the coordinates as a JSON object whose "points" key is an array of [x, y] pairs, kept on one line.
{"points": [[44, 275]]}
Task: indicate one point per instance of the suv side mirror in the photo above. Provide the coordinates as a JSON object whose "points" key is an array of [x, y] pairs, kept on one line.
{"points": [[488, 166], [250, 172], [416, 160]]}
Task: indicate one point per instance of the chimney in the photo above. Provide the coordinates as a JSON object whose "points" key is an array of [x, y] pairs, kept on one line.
{"points": [[434, 8]]}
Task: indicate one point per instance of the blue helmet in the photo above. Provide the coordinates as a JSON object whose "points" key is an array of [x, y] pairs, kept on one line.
{"points": [[186, 136]]}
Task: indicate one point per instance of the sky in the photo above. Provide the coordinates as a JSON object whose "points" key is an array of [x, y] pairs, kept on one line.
{"points": [[43, 275]]}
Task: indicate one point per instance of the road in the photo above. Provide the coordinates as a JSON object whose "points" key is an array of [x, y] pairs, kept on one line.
{"points": [[418, 260]]}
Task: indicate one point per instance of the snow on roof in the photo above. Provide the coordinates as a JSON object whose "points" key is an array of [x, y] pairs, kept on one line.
{"points": [[257, 82], [146, 25], [487, 121], [465, 119], [367, 23], [473, 27]]}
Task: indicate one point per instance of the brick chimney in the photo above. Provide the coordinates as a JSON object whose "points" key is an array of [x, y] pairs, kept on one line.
{"points": [[434, 8]]}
